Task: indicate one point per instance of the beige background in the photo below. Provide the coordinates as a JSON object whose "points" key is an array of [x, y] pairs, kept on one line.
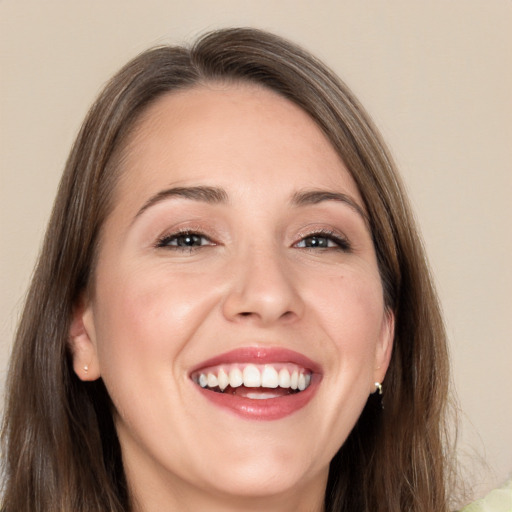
{"points": [[435, 75]]}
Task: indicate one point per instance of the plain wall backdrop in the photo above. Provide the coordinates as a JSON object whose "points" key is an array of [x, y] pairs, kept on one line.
{"points": [[437, 78]]}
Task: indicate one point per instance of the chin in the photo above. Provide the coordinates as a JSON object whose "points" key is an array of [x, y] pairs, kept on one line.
{"points": [[269, 474], [259, 482]]}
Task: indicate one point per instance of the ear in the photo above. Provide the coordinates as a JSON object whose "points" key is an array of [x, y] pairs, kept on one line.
{"points": [[384, 347], [82, 340]]}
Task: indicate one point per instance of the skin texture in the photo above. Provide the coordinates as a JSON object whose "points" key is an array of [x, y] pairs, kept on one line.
{"points": [[158, 312]]}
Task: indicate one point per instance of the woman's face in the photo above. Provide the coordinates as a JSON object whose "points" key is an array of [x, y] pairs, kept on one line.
{"points": [[236, 265]]}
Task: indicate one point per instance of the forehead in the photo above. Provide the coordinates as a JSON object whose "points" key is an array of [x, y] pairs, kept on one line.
{"points": [[221, 134]]}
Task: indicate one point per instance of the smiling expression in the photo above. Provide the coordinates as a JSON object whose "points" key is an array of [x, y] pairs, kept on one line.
{"points": [[238, 244]]}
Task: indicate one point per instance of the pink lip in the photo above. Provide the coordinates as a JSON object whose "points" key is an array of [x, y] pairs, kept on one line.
{"points": [[269, 408], [260, 355]]}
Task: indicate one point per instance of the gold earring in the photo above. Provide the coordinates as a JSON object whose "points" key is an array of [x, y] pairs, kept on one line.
{"points": [[378, 387]]}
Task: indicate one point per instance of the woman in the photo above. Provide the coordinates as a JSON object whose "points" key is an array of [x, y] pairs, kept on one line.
{"points": [[232, 309]]}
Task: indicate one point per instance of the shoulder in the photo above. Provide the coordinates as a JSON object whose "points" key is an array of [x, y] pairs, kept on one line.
{"points": [[498, 500]]}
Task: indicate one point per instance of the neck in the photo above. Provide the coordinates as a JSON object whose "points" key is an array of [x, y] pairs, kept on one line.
{"points": [[229, 504], [176, 494]]}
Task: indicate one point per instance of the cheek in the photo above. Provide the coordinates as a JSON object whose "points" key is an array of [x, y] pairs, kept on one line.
{"points": [[150, 314], [348, 312], [143, 323], [351, 307], [351, 315]]}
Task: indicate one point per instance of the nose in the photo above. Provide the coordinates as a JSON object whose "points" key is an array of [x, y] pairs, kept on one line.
{"points": [[263, 290]]}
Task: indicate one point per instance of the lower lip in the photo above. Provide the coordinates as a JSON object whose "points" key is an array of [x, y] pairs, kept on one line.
{"points": [[266, 409]]}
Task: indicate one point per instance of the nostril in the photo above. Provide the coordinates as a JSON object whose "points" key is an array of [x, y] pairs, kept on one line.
{"points": [[285, 315]]}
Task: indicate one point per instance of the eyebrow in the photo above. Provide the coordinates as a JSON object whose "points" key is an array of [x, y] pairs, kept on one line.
{"points": [[216, 195], [212, 195], [309, 197]]}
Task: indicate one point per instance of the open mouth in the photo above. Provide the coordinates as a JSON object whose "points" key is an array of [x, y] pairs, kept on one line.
{"points": [[254, 381], [258, 383]]}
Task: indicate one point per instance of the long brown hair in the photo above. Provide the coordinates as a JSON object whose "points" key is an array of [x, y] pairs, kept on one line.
{"points": [[61, 451]]}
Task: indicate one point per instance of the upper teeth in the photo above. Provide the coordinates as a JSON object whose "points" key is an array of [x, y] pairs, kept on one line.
{"points": [[254, 376]]}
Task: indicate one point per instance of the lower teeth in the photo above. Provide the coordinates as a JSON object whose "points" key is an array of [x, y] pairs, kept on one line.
{"points": [[255, 393]]}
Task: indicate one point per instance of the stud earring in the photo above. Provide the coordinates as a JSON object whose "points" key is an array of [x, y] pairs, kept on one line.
{"points": [[86, 368], [378, 387]]}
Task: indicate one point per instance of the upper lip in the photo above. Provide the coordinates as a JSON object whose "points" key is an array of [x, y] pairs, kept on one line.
{"points": [[260, 355]]}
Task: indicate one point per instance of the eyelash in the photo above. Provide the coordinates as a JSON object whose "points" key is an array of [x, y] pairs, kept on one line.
{"points": [[165, 241], [341, 243]]}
